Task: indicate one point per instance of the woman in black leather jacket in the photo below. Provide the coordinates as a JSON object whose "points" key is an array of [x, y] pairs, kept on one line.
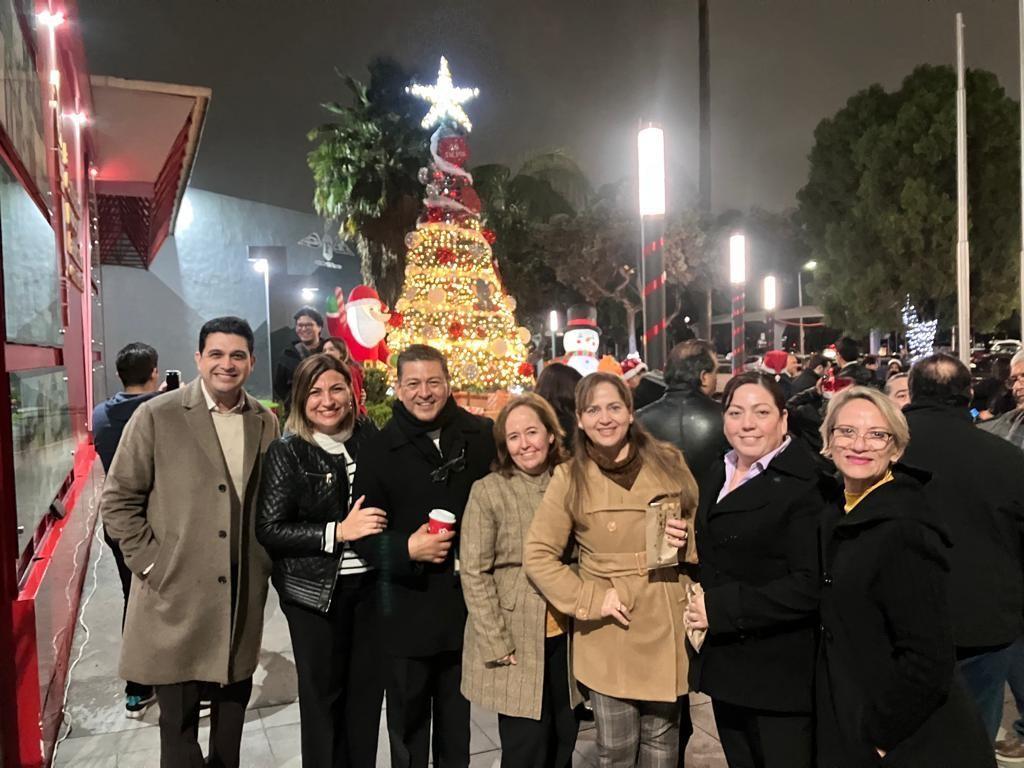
{"points": [[306, 516]]}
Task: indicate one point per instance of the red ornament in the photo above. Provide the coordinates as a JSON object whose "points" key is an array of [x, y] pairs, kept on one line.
{"points": [[435, 214], [396, 320], [455, 330], [489, 236], [453, 149], [526, 369], [445, 256]]}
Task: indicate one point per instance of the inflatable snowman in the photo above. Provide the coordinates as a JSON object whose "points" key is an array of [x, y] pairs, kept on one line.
{"points": [[582, 338]]}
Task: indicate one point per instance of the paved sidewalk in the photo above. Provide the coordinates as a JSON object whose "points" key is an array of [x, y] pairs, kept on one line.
{"points": [[102, 737]]}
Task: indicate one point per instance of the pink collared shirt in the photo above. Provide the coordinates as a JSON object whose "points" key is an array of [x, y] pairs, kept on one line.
{"points": [[759, 466]]}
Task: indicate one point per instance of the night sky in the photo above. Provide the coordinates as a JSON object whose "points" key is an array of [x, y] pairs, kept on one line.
{"points": [[553, 74]]}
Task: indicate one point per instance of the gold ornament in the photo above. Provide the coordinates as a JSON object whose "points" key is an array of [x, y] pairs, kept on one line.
{"points": [[499, 347], [524, 335], [436, 296]]}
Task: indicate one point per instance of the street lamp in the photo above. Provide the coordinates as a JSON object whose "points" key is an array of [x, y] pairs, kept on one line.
{"points": [[262, 266], [810, 266], [738, 277], [650, 144], [770, 303], [308, 294], [553, 327]]}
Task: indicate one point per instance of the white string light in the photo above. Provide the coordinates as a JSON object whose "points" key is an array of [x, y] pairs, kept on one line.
{"points": [[920, 333], [445, 99]]}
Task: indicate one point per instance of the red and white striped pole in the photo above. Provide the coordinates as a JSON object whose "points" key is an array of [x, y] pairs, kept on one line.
{"points": [[651, 163]]}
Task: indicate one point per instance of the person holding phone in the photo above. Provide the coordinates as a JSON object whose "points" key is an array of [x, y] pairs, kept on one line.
{"points": [[756, 531], [307, 519], [628, 634]]}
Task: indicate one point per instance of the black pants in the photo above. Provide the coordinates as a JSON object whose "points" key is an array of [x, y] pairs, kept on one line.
{"points": [[756, 738], [685, 728], [179, 723], [416, 688], [548, 742], [341, 679], [130, 688]]}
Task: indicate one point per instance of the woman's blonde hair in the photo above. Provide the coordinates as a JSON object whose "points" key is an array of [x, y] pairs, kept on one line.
{"points": [[504, 464], [895, 421], [663, 458], [306, 375]]}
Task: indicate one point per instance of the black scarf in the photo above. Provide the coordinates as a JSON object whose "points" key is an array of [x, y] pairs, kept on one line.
{"points": [[419, 431], [623, 473]]}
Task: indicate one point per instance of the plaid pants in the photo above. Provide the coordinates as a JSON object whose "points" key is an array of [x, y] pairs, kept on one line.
{"points": [[640, 734]]}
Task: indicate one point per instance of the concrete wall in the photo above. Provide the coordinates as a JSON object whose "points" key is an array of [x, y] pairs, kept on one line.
{"points": [[203, 272]]}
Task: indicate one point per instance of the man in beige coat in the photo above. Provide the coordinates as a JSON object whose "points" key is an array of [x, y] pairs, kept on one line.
{"points": [[180, 501]]}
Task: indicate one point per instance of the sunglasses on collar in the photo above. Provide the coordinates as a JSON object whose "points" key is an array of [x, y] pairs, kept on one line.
{"points": [[440, 475]]}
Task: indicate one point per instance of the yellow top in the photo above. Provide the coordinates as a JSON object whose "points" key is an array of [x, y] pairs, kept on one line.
{"points": [[853, 499]]}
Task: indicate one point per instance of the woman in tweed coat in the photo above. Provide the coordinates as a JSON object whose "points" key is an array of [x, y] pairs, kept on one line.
{"points": [[515, 656]]}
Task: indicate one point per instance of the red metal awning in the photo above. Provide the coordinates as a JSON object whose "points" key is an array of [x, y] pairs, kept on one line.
{"points": [[145, 136]]}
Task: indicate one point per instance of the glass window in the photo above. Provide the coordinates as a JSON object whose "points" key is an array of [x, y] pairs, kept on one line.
{"points": [[31, 267], [43, 444]]}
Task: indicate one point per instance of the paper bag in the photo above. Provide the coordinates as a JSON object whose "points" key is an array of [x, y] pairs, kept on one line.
{"points": [[695, 636], [660, 553]]}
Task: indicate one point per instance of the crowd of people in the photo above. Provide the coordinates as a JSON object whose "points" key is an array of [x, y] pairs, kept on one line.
{"points": [[819, 548]]}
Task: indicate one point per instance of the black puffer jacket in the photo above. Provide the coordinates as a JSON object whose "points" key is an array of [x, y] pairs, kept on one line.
{"points": [[303, 489]]}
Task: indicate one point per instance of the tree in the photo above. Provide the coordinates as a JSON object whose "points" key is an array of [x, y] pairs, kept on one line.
{"points": [[879, 207], [365, 168]]}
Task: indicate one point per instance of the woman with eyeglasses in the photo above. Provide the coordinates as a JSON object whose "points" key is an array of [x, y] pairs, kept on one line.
{"points": [[887, 688], [306, 519], [757, 542], [515, 659], [628, 635]]}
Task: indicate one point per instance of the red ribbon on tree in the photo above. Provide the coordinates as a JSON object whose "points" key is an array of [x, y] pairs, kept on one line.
{"points": [[455, 330], [435, 214], [445, 256], [489, 236], [396, 320], [526, 369]]}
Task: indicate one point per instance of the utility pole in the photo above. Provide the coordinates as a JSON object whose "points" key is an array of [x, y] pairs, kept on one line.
{"points": [[704, 65], [963, 250]]}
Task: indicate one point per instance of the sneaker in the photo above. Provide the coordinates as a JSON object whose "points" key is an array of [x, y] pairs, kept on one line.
{"points": [[136, 706], [1010, 750]]}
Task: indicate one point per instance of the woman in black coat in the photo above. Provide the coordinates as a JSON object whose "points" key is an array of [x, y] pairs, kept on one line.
{"points": [[305, 520], [887, 690], [756, 534]]}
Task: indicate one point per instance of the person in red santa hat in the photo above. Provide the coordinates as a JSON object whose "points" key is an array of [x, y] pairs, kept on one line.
{"points": [[783, 366], [362, 322]]}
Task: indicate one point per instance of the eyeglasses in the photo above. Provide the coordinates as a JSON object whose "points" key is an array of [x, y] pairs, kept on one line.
{"points": [[440, 475], [874, 439], [305, 326]]}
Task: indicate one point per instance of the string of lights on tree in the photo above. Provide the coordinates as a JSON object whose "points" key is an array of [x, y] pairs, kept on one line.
{"points": [[920, 333], [453, 298]]}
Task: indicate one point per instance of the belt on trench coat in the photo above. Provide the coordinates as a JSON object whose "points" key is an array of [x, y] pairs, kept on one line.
{"points": [[614, 566]]}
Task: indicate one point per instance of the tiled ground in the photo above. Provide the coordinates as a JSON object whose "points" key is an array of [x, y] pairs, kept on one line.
{"points": [[102, 737]]}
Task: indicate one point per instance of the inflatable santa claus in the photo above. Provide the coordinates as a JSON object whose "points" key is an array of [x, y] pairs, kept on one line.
{"points": [[362, 322]]}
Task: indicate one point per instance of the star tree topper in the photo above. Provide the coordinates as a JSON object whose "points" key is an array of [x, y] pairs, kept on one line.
{"points": [[445, 99]]}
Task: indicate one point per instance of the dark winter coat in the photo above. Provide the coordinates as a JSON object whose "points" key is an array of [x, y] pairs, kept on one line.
{"points": [[108, 422], [692, 422], [423, 612], [758, 552], [304, 487], [977, 490], [284, 371], [885, 675]]}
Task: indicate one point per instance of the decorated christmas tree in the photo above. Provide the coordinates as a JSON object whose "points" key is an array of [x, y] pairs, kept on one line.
{"points": [[453, 297]]}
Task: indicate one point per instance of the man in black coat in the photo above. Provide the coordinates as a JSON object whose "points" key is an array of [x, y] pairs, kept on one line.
{"points": [[977, 488], [685, 415], [308, 323], [426, 458]]}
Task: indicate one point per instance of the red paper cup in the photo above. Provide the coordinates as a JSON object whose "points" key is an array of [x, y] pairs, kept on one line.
{"points": [[440, 520]]}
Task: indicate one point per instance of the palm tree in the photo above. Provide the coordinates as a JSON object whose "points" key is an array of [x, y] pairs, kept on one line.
{"points": [[365, 167]]}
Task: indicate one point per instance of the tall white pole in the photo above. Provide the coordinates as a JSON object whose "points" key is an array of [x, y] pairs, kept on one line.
{"points": [[1020, 37], [963, 253]]}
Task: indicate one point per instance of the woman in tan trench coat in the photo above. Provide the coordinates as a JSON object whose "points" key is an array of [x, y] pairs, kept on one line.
{"points": [[515, 659], [628, 637]]}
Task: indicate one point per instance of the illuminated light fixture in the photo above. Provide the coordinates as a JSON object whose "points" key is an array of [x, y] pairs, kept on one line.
{"points": [[55, 77], [650, 144], [51, 20], [308, 294], [553, 321], [811, 265], [444, 98], [770, 299], [78, 118], [261, 265], [737, 259], [94, 172]]}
